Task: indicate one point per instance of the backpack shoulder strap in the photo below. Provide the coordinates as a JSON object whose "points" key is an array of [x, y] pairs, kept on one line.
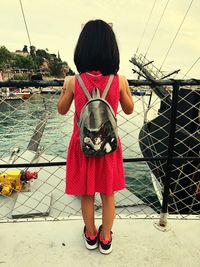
{"points": [[107, 86], [86, 91], [83, 87]]}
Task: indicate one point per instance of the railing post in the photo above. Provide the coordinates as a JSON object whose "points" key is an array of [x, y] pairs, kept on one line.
{"points": [[164, 210]]}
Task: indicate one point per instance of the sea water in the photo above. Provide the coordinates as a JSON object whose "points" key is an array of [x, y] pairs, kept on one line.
{"points": [[20, 118]]}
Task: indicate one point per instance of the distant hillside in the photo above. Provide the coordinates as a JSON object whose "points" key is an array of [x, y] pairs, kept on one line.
{"points": [[27, 62]]}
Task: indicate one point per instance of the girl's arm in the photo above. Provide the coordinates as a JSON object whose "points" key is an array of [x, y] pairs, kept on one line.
{"points": [[126, 99], [66, 96]]}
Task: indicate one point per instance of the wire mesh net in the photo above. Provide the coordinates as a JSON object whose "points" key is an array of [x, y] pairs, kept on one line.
{"points": [[32, 131]]}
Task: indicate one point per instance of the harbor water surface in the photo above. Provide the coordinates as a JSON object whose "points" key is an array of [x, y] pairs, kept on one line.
{"points": [[19, 119]]}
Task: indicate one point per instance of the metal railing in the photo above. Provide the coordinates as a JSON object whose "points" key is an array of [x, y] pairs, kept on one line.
{"points": [[169, 158]]}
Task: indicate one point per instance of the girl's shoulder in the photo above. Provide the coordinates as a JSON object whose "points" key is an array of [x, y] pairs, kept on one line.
{"points": [[69, 79], [122, 77], [69, 83], [123, 82]]}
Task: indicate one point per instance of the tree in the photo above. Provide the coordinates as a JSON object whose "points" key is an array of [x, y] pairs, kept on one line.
{"points": [[25, 49], [55, 68], [59, 57], [70, 72], [22, 62], [33, 51], [5, 56], [42, 53]]}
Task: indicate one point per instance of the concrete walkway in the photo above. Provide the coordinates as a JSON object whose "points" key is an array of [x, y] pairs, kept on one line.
{"points": [[136, 242]]}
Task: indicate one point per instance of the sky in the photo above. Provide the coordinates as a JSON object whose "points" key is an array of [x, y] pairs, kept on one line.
{"points": [[159, 29]]}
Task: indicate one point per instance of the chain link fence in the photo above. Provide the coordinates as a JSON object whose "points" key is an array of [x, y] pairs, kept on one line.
{"points": [[34, 142]]}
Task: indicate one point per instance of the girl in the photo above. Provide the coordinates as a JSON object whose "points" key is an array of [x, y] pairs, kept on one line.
{"points": [[96, 57]]}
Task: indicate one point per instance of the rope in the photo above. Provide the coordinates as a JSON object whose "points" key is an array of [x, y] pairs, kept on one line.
{"points": [[162, 15], [191, 67], [179, 28], [145, 27], [29, 39]]}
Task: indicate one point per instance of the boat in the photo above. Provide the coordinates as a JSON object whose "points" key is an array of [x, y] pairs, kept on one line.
{"points": [[14, 94], [49, 91], [25, 93], [138, 92], [154, 142]]}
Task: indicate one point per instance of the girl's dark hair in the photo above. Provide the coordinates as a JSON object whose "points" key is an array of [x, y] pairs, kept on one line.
{"points": [[97, 49]]}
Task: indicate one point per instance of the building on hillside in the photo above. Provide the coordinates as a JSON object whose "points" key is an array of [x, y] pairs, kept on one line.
{"points": [[21, 53]]}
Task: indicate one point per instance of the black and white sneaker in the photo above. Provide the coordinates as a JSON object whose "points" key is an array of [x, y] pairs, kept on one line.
{"points": [[105, 246], [91, 242]]}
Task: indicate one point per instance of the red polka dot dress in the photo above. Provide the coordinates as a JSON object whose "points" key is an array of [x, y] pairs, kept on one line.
{"points": [[88, 175]]}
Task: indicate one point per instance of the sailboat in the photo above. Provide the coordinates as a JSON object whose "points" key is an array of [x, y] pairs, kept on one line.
{"points": [[154, 139]]}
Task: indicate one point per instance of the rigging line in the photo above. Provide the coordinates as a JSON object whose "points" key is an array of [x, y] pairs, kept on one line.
{"points": [[191, 67], [146, 24], [176, 35], [157, 27], [25, 22]]}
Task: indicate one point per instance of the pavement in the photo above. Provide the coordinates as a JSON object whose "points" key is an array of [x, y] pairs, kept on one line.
{"points": [[136, 242]]}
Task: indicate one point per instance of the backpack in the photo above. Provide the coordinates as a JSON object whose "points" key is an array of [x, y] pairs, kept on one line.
{"points": [[97, 123]]}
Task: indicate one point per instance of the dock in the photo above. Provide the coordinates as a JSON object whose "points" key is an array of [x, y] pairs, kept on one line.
{"points": [[136, 243]]}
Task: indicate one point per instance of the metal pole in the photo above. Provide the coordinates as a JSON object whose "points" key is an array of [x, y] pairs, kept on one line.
{"points": [[164, 210], [46, 83]]}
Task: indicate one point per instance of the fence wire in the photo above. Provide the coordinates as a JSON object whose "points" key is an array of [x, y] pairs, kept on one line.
{"points": [[144, 133]]}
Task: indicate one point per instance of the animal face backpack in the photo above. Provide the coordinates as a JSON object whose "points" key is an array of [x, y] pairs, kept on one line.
{"points": [[97, 122]]}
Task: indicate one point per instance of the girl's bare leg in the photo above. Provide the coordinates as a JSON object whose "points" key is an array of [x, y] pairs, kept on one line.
{"points": [[108, 203], [87, 207]]}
